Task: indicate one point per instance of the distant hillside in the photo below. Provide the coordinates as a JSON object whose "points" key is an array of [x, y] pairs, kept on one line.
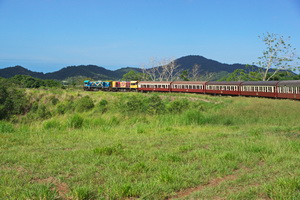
{"points": [[12, 71], [100, 73], [207, 65]]}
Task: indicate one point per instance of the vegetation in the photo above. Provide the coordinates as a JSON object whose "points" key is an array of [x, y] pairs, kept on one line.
{"points": [[279, 55], [132, 76], [199, 68], [243, 75], [150, 146], [25, 81], [12, 100]]}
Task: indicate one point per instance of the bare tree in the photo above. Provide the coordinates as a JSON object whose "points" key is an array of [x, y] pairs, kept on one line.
{"points": [[145, 75], [161, 70], [195, 73], [207, 76], [278, 55], [171, 70], [151, 73]]}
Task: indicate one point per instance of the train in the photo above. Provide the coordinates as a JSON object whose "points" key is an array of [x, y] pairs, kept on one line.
{"points": [[287, 89]]}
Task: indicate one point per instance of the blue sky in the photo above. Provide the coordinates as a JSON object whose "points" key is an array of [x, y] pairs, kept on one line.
{"points": [[46, 35]]}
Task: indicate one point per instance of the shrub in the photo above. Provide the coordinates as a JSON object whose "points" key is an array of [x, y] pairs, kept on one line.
{"points": [[155, 105], [61, 108], [54, 101], [43, 112], [101, 106], [6, 127], [84, 104], [103, 102], [132, 104], [178, 106], [34, 107], [12, 100], [76, 121]]}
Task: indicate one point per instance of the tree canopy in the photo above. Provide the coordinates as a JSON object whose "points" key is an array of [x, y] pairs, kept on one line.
{"points": [[278, 55]]}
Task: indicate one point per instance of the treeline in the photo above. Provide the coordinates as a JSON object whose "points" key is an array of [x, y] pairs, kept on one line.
{"points": [[13, 100], [25, 81], [243, 75]]}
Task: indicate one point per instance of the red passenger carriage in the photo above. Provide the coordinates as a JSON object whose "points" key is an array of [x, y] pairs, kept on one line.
{"points": [[259, 88], [289, 89], [188, 86], [223, 87], [158, 86]]}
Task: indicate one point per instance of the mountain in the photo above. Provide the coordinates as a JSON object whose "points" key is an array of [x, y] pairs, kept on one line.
{"points": [[100, 73], [207, 65], [91, 71], [12, 71]]}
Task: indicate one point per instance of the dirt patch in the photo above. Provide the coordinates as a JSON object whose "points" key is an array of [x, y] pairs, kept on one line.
{"points": [[211, 183], [61, 188]]}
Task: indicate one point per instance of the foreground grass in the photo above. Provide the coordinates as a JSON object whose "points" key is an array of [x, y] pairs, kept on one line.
{"points": [[235, 148]]}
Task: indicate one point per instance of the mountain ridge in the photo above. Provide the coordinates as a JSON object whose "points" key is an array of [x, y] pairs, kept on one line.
{"points": [[97, 72]]}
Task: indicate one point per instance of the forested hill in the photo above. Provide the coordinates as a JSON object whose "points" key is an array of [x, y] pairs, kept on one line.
{"points": [[97, 72], [208, 65]]}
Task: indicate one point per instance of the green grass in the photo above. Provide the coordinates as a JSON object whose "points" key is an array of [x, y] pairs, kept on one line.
{"points": [[234, 148]]}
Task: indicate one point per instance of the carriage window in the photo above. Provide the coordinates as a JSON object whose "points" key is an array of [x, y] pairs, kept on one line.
{"points": [[269, 89]]}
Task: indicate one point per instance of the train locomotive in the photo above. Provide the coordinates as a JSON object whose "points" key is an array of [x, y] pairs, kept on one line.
{"points": [[272, 89]]}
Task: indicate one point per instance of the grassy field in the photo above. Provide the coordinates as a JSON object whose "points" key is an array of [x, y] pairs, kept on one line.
{"points": [[150, 146]]}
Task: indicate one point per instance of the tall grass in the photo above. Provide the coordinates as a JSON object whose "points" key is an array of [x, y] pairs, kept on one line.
{"points": [[168, 143]]}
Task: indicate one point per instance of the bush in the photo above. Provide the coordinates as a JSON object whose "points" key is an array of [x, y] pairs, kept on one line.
{"points": [[132, 104], [64, 107], [155, 105], [101, 106], [54, 101], [61, 108], [34, 107], [6, 127], [84, 104], [178, 106], [142, 104], [43, 112], [76, 122], [12, 100]]}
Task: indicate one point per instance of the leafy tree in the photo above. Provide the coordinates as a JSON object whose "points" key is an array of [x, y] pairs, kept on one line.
{"points": [[132, 76], [242, 75], [184, 75], [279, 55], [26, 81], [84, 104], [12, 100]]}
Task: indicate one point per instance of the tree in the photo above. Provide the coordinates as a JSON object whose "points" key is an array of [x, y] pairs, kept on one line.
{"points": [[279, 55], [194, 74], [12, 100], [163, 70], [132, 76], [184, 75]]}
